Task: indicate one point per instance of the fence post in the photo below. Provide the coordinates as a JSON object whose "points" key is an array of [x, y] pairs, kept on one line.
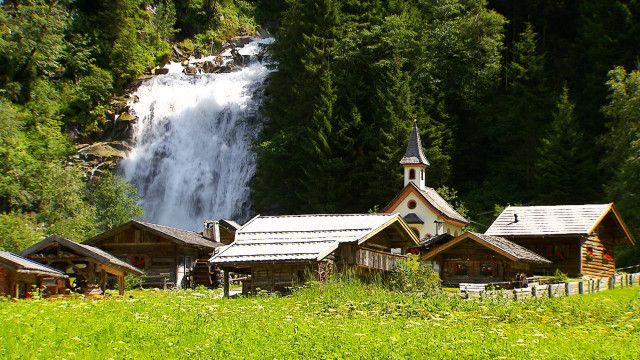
{"points": [[566, 288], [550, 290], [612, 282], [534, 291], [581, 287]]}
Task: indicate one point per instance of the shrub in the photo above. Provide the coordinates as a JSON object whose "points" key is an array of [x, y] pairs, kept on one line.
{"points": [[132, 282], [559, 277], [414, 276]]}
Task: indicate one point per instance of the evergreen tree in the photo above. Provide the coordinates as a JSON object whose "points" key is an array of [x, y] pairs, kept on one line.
{"points": [[563, 167], [622, 142]]}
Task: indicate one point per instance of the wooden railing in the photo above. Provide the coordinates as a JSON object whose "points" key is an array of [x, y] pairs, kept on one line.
{"points": [[379, 260]]}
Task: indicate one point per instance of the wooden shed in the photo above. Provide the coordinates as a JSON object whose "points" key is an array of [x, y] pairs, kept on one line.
{"points": [[578, 239], [18, 275], [480, 258], [279, 251], [90, 266], [168, 256]]}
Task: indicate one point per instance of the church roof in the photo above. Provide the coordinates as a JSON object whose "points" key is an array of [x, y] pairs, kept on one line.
{"points": [[414, 154], [433, 199]]}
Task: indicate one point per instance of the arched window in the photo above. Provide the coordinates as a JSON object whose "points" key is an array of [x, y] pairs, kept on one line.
{"points": [[411, 204], [412, 174]]}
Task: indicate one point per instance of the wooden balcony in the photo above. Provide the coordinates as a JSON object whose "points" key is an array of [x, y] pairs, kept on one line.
{"points": [[378, 260]]}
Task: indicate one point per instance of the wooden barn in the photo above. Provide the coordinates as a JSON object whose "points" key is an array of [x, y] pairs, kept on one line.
{"points": [[276, 252], [578, 239], [168, 256], [91, 267], [18, 275], [480, 258]]}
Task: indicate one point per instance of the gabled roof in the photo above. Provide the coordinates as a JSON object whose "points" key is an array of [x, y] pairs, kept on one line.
{"points": [[24, 265], [305, 237], [230, 224], [182, 237], [436, 240], [554, 220], [498, 244], [432, 199], [98, 255], [414, 154]]}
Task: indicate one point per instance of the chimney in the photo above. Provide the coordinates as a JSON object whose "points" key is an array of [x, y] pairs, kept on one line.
{"points": [[211, 230]]}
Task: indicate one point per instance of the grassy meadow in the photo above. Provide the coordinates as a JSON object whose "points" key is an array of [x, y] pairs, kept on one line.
{"points": [[338, 320]]}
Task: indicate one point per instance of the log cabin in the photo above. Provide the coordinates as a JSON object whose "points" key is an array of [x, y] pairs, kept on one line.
{"points": [[480, 258], [168, 256], [19, 275], [91, 267], [276, 252], [578, 239]]}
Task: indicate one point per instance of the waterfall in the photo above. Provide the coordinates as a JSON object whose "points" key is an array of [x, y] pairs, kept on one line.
{"points": [[192, 158]]}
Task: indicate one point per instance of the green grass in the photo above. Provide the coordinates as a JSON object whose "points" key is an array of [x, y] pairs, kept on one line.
{"points": [[339, 320]]}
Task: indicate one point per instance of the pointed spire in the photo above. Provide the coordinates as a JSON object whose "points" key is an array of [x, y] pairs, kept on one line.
{"points": [[414, 154]]}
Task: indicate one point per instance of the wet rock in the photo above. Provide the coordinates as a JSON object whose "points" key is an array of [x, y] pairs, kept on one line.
{"points": [[240, 41], [102, 151], [185, 63], [127, 117], [190, 70], [160, 71]]}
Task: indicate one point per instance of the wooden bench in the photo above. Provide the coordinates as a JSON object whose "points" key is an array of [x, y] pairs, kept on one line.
{"points": [[161, 279]]}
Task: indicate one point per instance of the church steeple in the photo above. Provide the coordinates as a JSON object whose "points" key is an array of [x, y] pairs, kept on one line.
{"points": [[414, 162]]}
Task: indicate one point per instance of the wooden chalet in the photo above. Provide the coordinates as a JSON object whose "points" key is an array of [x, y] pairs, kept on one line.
{"points": [[578, 239], [19, 275], [276, 252], [91, 267], [168, 256], [480, 258]]}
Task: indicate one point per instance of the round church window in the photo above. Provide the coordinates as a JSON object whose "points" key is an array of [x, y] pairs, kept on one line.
{"points": [[411, 204]]}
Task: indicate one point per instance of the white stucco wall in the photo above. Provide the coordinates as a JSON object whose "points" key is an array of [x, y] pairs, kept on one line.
{"points": [[420, 178], [426, 214]]}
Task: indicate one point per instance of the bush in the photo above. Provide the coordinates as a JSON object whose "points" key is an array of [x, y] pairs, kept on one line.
{"points": [[559, 277], [414, 276], [132, 282]]}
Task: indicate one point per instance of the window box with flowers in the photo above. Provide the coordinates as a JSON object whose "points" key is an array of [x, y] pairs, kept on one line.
{"points": [[607, 257], [590, 255]]}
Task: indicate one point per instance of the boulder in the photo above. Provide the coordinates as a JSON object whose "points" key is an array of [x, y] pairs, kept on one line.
{"points": [[160, 71], [190, 70], [185, 63], [127, 117], [102, 151], [240, 41]]}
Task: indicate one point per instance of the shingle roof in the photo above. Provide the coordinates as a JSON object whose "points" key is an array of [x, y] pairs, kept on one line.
{"points": [[22, 264], [414, 153], [436, 240], [512, 248], [501, 245], [185, 237], [301, 237], [431, 196], [548, 220], [82, 249]]}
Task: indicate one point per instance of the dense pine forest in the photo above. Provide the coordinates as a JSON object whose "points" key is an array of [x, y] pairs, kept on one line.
{"points": [[519, 102]]}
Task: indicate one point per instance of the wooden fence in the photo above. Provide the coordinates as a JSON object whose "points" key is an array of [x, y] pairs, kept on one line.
{"points": [[536, 290]]}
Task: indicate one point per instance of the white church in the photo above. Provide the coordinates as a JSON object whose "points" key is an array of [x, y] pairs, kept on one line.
{"points": [[426, 212]]}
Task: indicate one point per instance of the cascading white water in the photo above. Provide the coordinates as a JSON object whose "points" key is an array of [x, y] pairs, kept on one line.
{"points": [[192, 157]]}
